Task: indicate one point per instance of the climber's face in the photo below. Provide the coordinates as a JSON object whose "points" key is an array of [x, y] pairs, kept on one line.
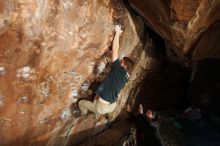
{"points": [[150, 114]]}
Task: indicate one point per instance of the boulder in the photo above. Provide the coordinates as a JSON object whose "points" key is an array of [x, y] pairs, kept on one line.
{"points": [[50, 51]]}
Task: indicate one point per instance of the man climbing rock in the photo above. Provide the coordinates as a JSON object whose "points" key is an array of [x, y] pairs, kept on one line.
{"points": [[108, 90]]}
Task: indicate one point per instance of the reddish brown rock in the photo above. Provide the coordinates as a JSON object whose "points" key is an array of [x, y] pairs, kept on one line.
{"points": [[47, 50]]}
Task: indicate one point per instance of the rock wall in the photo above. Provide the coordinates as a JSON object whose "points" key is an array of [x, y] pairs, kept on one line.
{"points": [[191, 31], [180, 22], [50, 53]]}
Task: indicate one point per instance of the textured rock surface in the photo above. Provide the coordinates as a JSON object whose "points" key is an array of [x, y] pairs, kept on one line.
{"points": [[180, 22], [191, 31], [51, 50], [48, 49]]}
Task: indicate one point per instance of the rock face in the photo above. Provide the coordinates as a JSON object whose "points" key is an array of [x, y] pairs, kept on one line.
{"points": [[191, 31], [50, 52], [180, 22]]}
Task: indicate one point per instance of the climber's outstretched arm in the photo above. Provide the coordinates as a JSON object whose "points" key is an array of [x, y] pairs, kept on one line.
{"points": [[115, 45]]}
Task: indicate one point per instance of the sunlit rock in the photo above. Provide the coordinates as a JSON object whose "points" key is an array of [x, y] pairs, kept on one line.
{"points": [[50, 51], [53, 51]]}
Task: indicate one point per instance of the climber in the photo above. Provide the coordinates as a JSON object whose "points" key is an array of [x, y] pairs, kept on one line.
{"points": [[108, 90], [147, 127]]}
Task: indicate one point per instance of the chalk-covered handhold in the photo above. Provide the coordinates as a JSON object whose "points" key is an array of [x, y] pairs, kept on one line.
{"points": [[65, 115], [74, 93], [22, 99], [2, 71], [27, 73]]}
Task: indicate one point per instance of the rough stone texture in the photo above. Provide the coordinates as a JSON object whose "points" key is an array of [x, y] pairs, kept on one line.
{"points": [[51, 51], [48, 49], [180, 22], [191, 32]]}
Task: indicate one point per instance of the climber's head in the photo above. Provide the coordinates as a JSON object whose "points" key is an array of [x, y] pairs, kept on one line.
{"points": [[151, 114], [128, 64]]}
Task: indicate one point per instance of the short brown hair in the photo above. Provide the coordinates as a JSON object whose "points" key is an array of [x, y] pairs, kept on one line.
{"points": [[129, 64]]}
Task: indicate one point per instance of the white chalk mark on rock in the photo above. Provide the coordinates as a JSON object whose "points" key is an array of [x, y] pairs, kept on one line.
{"points": [[27, 73], [2, 71]]}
